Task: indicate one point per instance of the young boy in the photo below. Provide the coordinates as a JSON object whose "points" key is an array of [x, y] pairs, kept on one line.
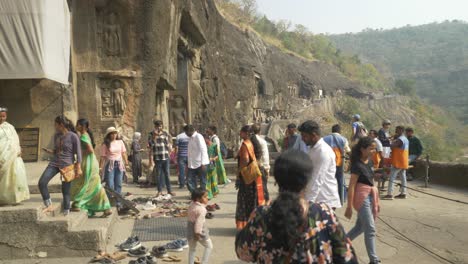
{"points": [[197, 230]]}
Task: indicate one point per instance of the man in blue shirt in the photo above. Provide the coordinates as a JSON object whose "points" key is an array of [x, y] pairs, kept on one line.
{"points": [[182, 141]]}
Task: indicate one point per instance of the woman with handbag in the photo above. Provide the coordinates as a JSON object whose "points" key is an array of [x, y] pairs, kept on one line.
{"points": [[67, 162], [249, 179], [113, 161], [87, 192], [211, 172]]}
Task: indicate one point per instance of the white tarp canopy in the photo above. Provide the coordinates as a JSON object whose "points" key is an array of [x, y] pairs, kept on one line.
{"points": [[34, 39]]}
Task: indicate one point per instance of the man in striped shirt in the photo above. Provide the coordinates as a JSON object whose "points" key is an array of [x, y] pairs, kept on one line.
{"points": [[160, 146]]}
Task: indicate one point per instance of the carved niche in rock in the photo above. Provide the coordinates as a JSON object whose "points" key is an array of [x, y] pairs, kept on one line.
{"points": [[113, 94], [178, 114]]}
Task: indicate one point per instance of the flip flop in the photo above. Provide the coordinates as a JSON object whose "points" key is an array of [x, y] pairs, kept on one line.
{"points": [[216, 206]]}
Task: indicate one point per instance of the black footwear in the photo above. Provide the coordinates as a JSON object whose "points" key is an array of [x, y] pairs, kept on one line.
{"points": [[401, 196], [149, 260], [159, 252], [209, 216], [130, 244], [139, 252]]}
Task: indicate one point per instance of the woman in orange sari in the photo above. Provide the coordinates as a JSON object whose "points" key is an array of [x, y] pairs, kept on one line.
{"points": [[249, 196]]}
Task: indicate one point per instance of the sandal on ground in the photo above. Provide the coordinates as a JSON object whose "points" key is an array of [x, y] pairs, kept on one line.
{"points": [[118, 255], [171, 259], [216, 206], [50, 208], [106, 213]]}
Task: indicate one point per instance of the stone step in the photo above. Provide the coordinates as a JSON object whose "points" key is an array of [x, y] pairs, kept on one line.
{"points": [[26, 230]]}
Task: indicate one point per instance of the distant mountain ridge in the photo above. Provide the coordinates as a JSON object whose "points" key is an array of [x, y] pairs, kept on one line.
{"points": [[434, 55]]}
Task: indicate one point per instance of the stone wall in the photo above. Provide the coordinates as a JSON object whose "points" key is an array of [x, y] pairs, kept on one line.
{"points": [[450, 174]]}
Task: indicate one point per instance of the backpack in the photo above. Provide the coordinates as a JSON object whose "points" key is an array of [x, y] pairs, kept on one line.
{"points": [[361, 131], [224, 150]]}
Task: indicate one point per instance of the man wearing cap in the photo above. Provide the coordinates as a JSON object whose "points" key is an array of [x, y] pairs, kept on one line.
{"points": [[358, 128], [160, 145]]}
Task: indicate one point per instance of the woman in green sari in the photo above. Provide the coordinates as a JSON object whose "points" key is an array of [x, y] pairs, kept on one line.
{"points": [[87, 192], [211, 174]]}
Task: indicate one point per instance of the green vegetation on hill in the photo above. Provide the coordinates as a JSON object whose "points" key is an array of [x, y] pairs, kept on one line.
{"points": [[442, 135], [434, 57], [300, 41]]}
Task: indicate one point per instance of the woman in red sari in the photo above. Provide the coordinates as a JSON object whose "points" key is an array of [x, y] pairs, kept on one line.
{"points": [[249, 196]]}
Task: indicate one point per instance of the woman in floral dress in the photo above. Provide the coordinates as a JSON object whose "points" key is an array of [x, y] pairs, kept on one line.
{"points": [[292, 230]]}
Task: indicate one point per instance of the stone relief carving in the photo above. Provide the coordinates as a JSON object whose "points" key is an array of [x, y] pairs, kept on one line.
{"points": [[113, 102], [119, 97], [112, 34], [178, 114]]}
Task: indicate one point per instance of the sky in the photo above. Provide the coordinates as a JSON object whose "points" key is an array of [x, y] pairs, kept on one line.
{"points": [[342, 16]]}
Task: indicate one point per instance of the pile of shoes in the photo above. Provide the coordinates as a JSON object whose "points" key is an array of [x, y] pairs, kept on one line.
{"points": [[133, 247]]}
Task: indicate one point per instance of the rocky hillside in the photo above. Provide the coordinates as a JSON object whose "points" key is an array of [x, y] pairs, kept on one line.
{"points": [[434, 56], [245, 79]]}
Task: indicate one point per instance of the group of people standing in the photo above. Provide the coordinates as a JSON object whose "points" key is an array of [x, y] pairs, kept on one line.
{"points": [[74, 148], [198, 157], [312, 186]]}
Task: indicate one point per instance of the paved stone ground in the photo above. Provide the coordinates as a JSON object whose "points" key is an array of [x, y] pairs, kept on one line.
{"points": [[439, 225]]}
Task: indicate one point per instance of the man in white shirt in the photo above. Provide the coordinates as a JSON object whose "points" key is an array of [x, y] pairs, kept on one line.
{"points": [[197, 159], [323, 186], [264, 162]]}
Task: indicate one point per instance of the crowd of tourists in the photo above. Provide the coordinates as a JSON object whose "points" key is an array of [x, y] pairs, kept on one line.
{"points": [[299, 226]]}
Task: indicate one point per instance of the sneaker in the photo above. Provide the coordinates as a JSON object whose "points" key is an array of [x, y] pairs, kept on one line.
{"points": [[149, 206], [388, 197], [174, 246], [167, 196], [125, 241], [131, 244], [149, 260], [183, 243], [401, 196], [159, 198], [159, 252], [139, 252]]}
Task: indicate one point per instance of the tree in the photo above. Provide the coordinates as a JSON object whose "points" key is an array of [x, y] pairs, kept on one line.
{"points": [[405, 86]]}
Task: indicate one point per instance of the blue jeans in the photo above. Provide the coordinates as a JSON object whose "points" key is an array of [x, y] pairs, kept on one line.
{"points": [[412, 158], [182, 164], [163, 175], [341, 186], [194, 175], [46, 176], [114, 179], [365, 223], [393, 174]]}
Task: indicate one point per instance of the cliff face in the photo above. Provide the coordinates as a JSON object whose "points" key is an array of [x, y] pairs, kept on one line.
{"points": [[179, 61], [239, 79]]}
